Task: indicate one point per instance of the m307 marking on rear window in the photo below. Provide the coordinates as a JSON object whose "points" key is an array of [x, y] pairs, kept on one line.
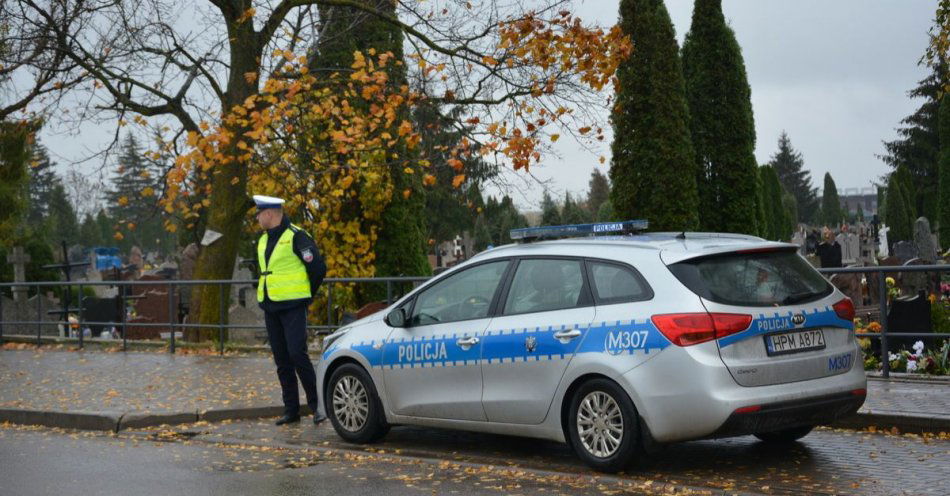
{"points": [[840, 362]]}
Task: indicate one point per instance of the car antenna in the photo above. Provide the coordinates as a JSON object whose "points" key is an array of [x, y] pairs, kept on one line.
{"points": [[681, 235]]}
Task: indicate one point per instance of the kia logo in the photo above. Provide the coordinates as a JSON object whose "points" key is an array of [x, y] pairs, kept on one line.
{"points": [[798, 319]]}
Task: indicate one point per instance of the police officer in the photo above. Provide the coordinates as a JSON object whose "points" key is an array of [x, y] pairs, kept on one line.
{"points": [[291, 271]]}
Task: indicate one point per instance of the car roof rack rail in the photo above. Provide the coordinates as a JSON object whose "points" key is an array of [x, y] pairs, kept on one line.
{"points": [[528, 234]]}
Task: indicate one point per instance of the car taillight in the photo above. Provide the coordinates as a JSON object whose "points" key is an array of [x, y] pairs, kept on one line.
{"points": [[844, 309], [685, 329], [748, 409]]}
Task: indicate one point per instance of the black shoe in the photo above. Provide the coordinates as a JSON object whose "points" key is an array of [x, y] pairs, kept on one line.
{"points": [[287, 419], [318, 417]]}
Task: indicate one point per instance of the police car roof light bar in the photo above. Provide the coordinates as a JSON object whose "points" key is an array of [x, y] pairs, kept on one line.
{"points": [[578, 230]]}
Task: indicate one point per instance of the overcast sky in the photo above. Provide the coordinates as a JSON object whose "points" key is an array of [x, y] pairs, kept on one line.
{"points": [[833, 74]]}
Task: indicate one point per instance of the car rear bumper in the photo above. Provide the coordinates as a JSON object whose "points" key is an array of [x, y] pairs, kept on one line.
{"points": [[795, 413], [705, 400]]}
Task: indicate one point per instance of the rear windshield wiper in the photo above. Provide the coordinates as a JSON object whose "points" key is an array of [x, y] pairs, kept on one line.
{"points": [[797, 297]]}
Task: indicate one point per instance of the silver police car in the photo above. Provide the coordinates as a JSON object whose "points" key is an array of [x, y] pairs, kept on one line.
{"points": [[614, 344]]}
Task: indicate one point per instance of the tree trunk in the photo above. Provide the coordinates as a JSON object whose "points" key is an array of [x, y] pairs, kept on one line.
{"points": [[229, 200]]}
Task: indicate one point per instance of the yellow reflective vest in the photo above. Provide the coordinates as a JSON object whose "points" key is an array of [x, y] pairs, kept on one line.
{"points": [[284, 276]]}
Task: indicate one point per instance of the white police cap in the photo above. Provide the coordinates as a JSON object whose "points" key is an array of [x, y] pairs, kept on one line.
{"points": [[263, 202]]}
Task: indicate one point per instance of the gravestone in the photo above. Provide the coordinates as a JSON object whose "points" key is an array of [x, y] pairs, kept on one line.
{"points": [[166, 270], [924, 241], [241, 273], [799, 239], [251, 316], [905, 251], [187, 261], [908, 314], [912, 282], [94, 275], [866, 249], [19, 258], [152, 309], [101, 310], [850, 247], [890, 261], [26, 311], [850, 285]]}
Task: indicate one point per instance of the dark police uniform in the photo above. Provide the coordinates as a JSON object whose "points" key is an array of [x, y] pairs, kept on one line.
{"points": [[285, 308]]}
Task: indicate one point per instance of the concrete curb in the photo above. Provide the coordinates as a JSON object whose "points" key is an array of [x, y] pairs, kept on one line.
{"points": [[905, 423], [219, 414], [133, 420], [119, 421], [95, 421], [914, 378]]}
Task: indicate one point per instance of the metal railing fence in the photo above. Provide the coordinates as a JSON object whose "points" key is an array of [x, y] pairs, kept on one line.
{"points": [[175, 302], [390, 283]]}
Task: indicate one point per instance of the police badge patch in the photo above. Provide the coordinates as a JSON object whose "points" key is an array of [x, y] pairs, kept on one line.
{"points": [[307, 255]]}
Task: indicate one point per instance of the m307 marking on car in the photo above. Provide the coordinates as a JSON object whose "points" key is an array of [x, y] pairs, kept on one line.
{"points": [[840, 362], [618, 341]]}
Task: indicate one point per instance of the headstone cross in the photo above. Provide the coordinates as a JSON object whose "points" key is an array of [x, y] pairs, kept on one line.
{"points": [[18, 258]]}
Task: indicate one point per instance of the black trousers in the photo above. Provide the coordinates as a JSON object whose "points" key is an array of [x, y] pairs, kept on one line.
{"points": [[287, 333]]}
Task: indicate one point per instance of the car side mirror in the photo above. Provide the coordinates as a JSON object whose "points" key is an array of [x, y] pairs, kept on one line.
{"points": [[396, 318]]}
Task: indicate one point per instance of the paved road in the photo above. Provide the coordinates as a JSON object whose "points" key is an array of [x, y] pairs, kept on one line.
{"points": [[827, 461], [43, 461], [255, 457]]}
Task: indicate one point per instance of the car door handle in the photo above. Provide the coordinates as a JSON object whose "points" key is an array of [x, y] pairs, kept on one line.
{"points": [[466, 342], [567, 335]]}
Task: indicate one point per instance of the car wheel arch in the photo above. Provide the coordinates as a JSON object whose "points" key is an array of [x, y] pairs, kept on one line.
{"points": [[337, 363], [646, 437]]}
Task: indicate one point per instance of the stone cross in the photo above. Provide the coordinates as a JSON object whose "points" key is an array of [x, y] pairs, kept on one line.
{"points": [[18, 258]]}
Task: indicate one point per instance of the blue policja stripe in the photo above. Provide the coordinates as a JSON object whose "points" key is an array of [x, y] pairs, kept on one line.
{"points": [[817, 317], [615, 338]]}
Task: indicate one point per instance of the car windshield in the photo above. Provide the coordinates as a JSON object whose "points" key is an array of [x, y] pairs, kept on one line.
{"points": [[770, 278]]}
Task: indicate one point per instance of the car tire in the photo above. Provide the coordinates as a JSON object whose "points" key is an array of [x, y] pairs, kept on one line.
{"points": [[789, 435], [353, 405], [611, 441]]}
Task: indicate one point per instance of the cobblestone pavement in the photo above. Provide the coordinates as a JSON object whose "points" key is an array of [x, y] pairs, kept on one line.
{"points": [[930, 398], [827, 461], [92, 380], [141, 381]]}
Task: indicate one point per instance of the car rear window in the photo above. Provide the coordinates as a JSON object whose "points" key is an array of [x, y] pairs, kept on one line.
{"points": [[753, 279]]}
